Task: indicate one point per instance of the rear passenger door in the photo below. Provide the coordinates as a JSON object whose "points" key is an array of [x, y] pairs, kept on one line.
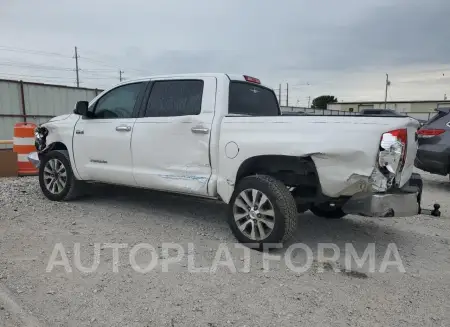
{"points": [[170, 141]]}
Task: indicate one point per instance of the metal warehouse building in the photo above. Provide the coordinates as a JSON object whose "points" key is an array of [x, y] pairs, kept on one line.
{"points": [[419, 109], [35, 102]]}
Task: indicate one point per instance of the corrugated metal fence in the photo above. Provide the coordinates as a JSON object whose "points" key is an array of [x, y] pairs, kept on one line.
{"points": [[34, 102]]}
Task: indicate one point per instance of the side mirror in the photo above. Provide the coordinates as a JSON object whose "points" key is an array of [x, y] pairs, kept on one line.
{"points": [[81, 108]]}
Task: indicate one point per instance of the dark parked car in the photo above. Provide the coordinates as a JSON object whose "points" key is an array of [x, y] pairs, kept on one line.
{"points": [[433, 154]]}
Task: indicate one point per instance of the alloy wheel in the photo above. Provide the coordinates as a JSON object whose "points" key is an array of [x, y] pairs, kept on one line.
{"points": [[254, 214], [55, 176]]}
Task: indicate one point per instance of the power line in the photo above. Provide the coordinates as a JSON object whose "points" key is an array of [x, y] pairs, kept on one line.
{"points": [[29, 51], [37, 76], [98, 62], [100, 77], [98, 70], [295, 86], [103, 63], [33, 66], [100, 73], [77, 57]]}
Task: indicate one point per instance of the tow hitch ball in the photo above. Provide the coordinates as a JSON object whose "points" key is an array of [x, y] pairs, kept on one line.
{"points": [[432, 212]]}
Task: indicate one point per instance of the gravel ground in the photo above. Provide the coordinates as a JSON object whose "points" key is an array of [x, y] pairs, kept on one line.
{"points": [[30, 226]]}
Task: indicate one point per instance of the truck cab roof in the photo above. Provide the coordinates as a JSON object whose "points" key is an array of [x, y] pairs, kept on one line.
{"points": [[232, 77]]}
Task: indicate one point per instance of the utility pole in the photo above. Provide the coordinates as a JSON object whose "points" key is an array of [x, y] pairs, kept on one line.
{"points": [[386, 91], [279, 95], [309, 101], [76, 67], [120, 75], [287, 94]]}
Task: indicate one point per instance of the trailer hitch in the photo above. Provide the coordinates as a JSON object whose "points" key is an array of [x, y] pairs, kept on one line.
{"points": [[432, 212]]}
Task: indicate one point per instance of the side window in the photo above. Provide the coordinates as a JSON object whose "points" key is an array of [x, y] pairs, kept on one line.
{"points": [[175, 98], [118, 103]]}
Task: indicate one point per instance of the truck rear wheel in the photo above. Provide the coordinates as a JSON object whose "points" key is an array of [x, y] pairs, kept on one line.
{"points": [[327, 211], [262, 210], [56, 178]]}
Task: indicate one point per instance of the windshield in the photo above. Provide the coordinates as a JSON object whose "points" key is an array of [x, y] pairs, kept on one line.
{"points": [[253, 100]]}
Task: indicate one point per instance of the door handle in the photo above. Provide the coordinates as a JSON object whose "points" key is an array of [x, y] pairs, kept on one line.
{"points": [[79, 131], [200, 130], [123, 128]]}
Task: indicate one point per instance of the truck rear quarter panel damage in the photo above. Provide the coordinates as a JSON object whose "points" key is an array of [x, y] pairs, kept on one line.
{"points": [[344, 150]]}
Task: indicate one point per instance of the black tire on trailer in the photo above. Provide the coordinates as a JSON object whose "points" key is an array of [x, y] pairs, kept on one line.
{"points": [[56, 178], [328, 212], [262, 211]]}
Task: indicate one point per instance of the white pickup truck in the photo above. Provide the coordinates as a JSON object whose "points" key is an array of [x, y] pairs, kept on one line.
{"points": [[223, 137]]}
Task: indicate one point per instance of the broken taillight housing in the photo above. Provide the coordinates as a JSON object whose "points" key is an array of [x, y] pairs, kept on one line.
{"points": [[393, 149], [392, 154], [391, 158]]}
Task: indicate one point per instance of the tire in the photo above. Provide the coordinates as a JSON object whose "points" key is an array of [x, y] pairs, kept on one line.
{"points": [[276, 218], [71, 189], [327, 212]]}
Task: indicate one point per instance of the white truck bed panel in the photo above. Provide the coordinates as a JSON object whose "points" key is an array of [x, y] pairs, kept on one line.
{"points": [[341, 147]]}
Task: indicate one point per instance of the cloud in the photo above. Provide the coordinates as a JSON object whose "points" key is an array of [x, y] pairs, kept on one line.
{"points": [[342, 47]]}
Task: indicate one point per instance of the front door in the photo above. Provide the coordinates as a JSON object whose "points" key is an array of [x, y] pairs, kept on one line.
{"points": [[101, 143], [170, 143]]}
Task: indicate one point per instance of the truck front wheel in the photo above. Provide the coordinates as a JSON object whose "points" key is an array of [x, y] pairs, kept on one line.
{"points": [[56, 178], [262, 210]]}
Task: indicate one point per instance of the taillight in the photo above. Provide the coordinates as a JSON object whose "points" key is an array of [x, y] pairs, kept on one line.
{"points": [[401, 134], [427, 133], [393, 146], [252, 79]]}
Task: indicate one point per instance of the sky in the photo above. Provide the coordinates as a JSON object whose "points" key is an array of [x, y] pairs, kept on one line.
{"points": [[344, 48]]}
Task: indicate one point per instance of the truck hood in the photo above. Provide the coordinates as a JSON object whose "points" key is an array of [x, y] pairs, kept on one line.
{"points": [[61, 117]]}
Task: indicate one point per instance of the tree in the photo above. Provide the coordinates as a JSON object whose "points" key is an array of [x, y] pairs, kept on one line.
{"points": [[322, 101]]}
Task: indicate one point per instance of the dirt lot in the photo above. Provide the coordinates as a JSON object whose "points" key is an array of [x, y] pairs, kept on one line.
{"points": [[31, 226]]}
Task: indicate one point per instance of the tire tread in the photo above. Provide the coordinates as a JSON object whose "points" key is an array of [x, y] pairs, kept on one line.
{"points": [[286, 203], [76, 187], [281, 198]]}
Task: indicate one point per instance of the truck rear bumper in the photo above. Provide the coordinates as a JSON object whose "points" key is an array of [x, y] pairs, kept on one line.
{"points": [[402, 202], [383, 205]]}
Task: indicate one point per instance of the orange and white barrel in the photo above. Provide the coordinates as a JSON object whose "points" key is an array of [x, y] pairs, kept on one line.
{"points": [[23, 145]]}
